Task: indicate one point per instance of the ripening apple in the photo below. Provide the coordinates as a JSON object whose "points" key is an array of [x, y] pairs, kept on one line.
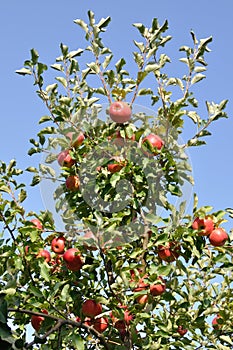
{"points": [[182, 331], [120, 112], [155, 142], [215, 323], [169, 252], [75, 142], [43, 253], [37, 224], [100, 324], [158, 288], [73, 183], [72, 259], [205, 226], [36, 321], [64, 159], [114, 167], [58, 244], [91, 308], [142, 299], [218, 237]]}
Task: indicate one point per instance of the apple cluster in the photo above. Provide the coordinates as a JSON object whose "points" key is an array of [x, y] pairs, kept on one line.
{"points": [[206, 227]]}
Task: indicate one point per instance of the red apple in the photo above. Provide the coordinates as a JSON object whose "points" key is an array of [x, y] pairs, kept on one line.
{"points": [[44, 254], [78, 319], [169, 252], [158, 288], [181, 330], [114, 167], [37, 224], [142, 299], [91, 308], [215, 323], [154, 141], [72, 259], [64, 159], [36, 320], [88, 321], [218, 237], [100, 324], [205, 226], [58, 245], [72, 183], [75, 141], [120, 112]]}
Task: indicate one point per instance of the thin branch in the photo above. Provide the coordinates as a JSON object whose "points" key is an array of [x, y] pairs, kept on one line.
{"points": [[60, 323]]}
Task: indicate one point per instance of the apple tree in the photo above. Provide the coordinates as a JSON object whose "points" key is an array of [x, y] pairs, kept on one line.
{"points": [[116, 260]]}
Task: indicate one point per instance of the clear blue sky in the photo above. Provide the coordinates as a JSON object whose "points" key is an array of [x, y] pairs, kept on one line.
{"points": [[45, 24]]}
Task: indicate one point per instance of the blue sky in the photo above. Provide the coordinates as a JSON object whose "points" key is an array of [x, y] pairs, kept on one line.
{"points": [[45, 24]]}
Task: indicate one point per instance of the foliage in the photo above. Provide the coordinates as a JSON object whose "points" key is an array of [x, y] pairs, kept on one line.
{"points": [[128, 224]]}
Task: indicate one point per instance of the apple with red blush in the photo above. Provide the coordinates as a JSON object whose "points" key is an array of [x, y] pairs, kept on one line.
{"points": [[120, 112], [158, 288], [218, 237], [155, 142], [90, 308], [72, 183], [58, 244], [169, 252], [64, 159], [73, 259], [204, 226], [37, 224], [75, 141], [37, 320], [43, 253]]}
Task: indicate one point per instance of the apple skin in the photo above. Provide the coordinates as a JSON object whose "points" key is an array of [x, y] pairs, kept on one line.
{"points": [[75, 142], [37, 224], [36, 321], [64, 159], [43, 253], [100, 324], [120, 112], [72, 183], [169, 252], [72, 259], [58, 245], [114, 167], [91, 308], [215, 323], [218, 237], [182, 331], [159, 288], [142, 299], [204, 226], [155, 141]]}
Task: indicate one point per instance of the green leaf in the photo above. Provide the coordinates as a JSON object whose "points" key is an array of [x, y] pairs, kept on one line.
{"points": [[23, 71], [34, 56], [140, 27], [145, 92], [82, 24], [226, 339], [22, 195], [44, 271], [120, 64], [36, 291], [104, 23], [75, 53], [152, 67], [44, 119], [62, 80], [107, 61], [77, 341], [57, 66], [198, 77]]}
